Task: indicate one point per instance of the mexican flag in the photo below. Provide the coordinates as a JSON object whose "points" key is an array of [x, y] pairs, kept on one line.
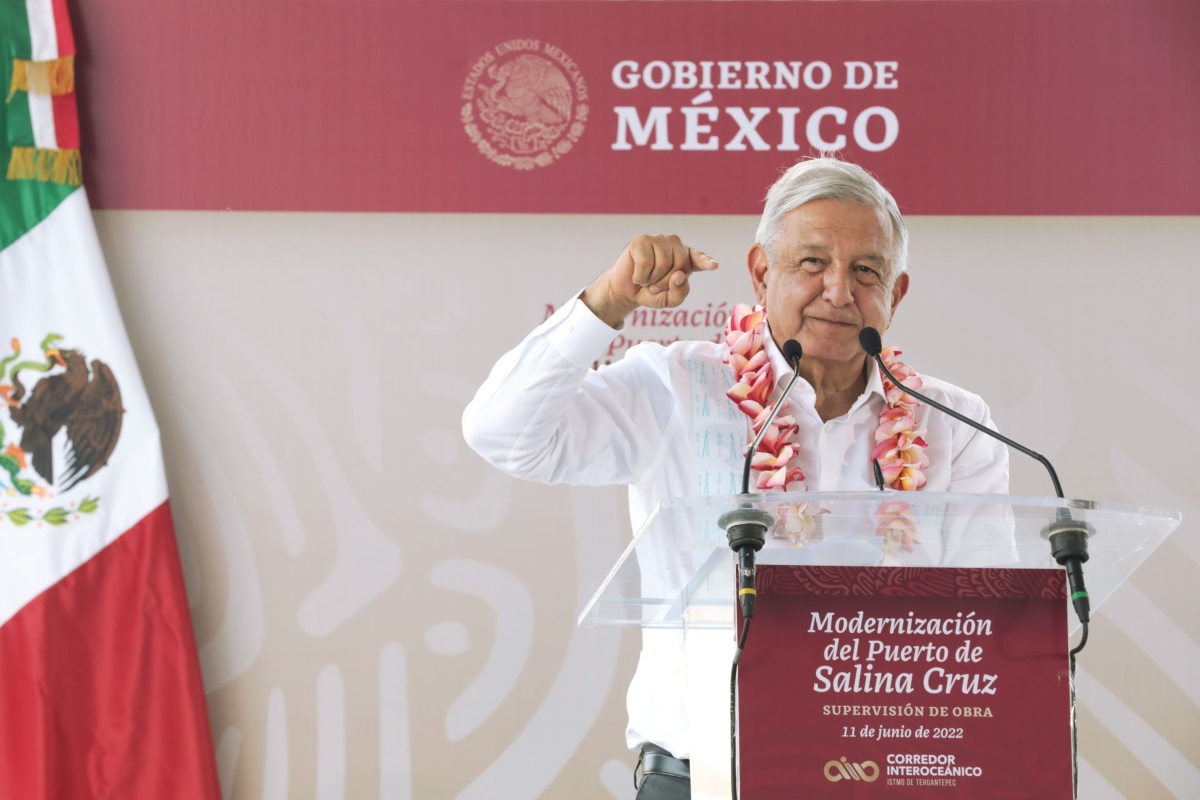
{"points": [[100, 689]]}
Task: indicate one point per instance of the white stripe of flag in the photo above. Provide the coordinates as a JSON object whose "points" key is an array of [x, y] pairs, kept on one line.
{"points": [[41, 114], [43, 34], [43, 37]]}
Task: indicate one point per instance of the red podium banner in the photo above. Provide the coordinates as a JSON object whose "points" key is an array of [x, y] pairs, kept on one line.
{"points": [[866, 682]]}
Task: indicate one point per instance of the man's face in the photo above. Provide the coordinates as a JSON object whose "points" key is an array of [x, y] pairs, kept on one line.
{"points": [[830, 279]]}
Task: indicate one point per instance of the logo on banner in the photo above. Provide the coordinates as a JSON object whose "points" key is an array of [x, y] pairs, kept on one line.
{"points": [[847, 771], [60, 419], [526, 104]]}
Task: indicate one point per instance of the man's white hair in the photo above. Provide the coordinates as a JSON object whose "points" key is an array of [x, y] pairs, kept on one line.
{"points": [[827, 178]]}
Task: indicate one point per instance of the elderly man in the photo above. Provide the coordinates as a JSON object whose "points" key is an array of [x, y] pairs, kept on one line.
{"points": [[829, 259]]}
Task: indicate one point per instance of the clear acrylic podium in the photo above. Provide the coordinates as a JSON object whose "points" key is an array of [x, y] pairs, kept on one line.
{"points": [[678, 572]]}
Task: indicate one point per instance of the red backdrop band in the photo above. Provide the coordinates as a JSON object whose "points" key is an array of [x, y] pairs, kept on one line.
{"points": [[965, 108]]}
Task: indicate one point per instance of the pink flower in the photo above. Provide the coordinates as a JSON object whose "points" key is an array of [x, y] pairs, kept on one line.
{"points": [[759, 419], [897, 397], [745, 317], [910, 479], [794, 522], [893, 422], [771, 440], [905, 448], [759, 361], [897, 526], [890, 471], [760, 390], [769, 459], [739, 343], [745, 332], [891, 508], [787, 426], [772, 479], [738, 392], [778, 479], [885, 450], [898, 537]]}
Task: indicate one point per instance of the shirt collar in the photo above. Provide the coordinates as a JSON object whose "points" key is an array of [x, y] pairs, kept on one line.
{"points": [[783, 373]]}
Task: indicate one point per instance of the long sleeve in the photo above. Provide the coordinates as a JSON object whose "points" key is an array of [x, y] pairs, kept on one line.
{"points": [[980, 464], [543, 414]]}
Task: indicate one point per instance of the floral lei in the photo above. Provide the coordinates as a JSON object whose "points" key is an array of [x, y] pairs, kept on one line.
{"points": [[899, 448]]}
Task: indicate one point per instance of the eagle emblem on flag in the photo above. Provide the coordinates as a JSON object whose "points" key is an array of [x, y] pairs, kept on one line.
{"points": [[60, 419]]}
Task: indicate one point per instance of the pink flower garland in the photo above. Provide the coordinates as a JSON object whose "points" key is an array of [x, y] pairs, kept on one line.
{"points": [[899, 448], [746, 336]]}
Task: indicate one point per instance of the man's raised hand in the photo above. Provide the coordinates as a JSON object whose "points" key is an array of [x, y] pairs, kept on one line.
{"points": [[652, 271]]}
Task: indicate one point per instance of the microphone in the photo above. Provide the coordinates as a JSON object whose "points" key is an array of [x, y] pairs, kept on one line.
{"points": [[1068, 538], [746, 528]]}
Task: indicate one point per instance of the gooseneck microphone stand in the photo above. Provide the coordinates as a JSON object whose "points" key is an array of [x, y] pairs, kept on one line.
{"points": [[746, 530], [1068, 537]]}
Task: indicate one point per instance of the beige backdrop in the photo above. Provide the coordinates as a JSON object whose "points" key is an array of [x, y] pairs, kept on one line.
{"points": [[380, 614]]}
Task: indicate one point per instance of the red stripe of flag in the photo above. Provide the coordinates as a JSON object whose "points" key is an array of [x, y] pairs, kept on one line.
{"points": [[100, 689], [66, 121], [66, 114], [62, 25]]}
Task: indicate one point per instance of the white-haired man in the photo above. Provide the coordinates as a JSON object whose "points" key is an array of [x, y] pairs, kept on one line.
{"points": [[829, 259]]}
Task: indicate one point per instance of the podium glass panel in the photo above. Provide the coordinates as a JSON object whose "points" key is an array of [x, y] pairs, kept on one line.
{"points": [[678, 569]]}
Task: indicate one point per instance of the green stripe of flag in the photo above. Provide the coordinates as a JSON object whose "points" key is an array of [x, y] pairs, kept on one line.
{"points": [[14, 21], [18, 120], [23, 204]]}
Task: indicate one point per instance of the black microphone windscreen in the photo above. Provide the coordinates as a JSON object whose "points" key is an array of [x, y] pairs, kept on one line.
{"points": [[792, 351], [871, 342]]}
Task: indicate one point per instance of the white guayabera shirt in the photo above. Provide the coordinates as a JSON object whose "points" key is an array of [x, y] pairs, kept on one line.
{"points": [[659, 421]]}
